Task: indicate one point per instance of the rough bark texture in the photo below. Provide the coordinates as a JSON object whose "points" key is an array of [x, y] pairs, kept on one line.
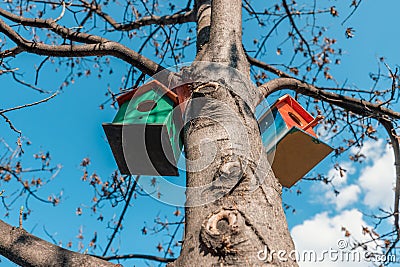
{"points": [[203, 8], [27, 250], [228, 171], [234, 207], [358, 106], [247, 215], [94, 45], [221, 40]]}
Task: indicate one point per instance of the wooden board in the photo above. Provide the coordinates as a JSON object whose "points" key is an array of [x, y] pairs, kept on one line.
{"points": [[296, 154], [141, 149]]}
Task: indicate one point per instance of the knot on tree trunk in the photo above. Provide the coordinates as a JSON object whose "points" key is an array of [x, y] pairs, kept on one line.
{"points": [[231, 169], [227, 178], [229, 174], [221, 232], [205, 88]]}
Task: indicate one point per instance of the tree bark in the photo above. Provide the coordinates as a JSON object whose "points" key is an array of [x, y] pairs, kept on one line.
{"points": [[27, 250], [234, 207]]}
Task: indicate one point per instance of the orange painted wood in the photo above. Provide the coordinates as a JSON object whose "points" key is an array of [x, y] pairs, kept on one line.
{"points": [[145, 88], [184, 94], [294, 114]]}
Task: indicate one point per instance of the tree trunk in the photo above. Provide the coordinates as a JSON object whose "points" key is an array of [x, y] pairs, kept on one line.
{"points": [[234, 213]]}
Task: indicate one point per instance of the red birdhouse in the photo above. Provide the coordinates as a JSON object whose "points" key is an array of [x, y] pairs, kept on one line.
{"points": [[292, 145]]}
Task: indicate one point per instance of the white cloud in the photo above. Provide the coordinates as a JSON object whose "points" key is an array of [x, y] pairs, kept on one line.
{"points": [[374, 184], [371, 149], [348, 195], [373, 187], [322, 233], [377, 180], [340, 178]]}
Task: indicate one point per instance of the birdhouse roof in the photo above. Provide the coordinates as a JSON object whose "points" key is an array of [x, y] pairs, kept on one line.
{"points": [[145, 88], [288, 99]]}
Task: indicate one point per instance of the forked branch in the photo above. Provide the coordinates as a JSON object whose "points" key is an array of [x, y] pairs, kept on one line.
{"points": [[394, 139], [54, 27], [138, 256], [286, 81], [121, 217], [289, 14], [21, 247], [357, 106], [30, 104], [180, 17], [95, 49]]}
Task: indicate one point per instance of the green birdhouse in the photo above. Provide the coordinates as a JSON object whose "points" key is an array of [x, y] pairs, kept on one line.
{"points": [[144, 135]]}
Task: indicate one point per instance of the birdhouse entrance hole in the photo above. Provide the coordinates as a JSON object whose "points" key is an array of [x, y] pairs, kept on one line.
{"points": [[292, 146], [295, 118], [144, 135], [146, 106]]}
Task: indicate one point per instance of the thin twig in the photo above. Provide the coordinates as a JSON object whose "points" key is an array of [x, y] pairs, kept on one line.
{"points": [[31, 104], [295, 27], [21, 211], [351, 14], [10, 70], [267, 67], [49, 235], [14, 75], [394, 139], [62, 12], [121, 217], [38, 69], [12, 52], [394, 85], [173, 236], [137, 256], [11, 124]]}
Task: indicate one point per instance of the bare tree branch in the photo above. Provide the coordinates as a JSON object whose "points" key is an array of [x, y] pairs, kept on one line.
{"points": [[394, 139], [7, 71], [267, 67], [62, 12], [11, 124], [358, 106], [285, 6], [30, 105], [99, 49], [21, 212], [137, 256], [53, 26], [21, 247], [14, 75], [177, 18], [121, 217], [356, 5], [27, 188]]}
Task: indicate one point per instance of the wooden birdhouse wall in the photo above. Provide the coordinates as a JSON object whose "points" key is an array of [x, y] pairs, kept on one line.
{"points": [[292, 151], [293, 114], [144, 135], [130, 112], [272, 127]]}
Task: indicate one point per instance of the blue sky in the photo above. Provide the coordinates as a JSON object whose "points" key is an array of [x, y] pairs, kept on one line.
{"points": [[69, 127]]}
